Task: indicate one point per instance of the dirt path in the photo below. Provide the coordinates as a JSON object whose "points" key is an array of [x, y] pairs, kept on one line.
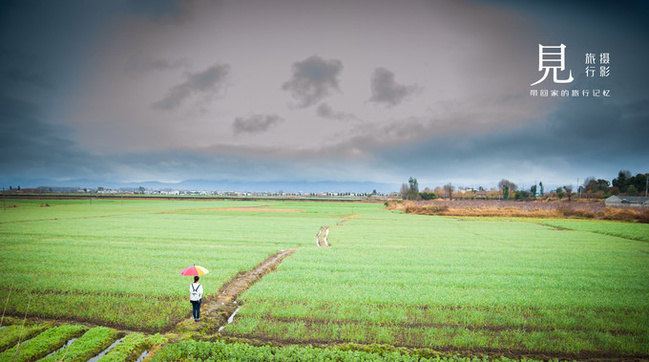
{"points": [[217, 311], [321, 237], [346, 218]]}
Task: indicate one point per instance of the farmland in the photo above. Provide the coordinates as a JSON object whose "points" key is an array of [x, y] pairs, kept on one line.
{"points": [[479, 284], [123, 258], [71, 342], [500, 286]]}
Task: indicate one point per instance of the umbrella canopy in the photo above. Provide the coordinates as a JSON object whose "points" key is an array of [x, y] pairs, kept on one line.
{"points": [[194, 270]]}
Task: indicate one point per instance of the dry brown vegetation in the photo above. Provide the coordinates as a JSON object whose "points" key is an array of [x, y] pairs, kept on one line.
{"points": [[542, 209]]}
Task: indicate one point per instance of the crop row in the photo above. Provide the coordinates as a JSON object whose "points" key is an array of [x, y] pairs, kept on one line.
{"points": [[135, 312], [220, 351], [72, 342], [131, 346], [442, 337], [44, 343], [616, 321], [13, 334], [85, 347]]}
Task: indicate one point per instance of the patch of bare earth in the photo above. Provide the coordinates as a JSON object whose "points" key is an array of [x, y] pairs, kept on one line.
{"points": [[216, 311]]}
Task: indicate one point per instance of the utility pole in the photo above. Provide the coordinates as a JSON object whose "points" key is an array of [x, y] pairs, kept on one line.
{"points": [[646, 184]]}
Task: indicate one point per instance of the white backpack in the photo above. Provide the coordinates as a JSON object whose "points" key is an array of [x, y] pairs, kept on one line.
{"points": [[194, 294]]}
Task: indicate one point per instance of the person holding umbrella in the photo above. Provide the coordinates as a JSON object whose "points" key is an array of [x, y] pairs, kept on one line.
{"points": [[196, 298], [195, 289]]}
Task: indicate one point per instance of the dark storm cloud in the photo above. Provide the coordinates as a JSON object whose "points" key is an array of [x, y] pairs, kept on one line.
{"points": [[209, 81], [31, 146], [579, 137], [155, 9], [44, 45], [25, 77], [22, 135], [325, 111], [256, 123], [387, 91], [597, 129], [313, 80]]}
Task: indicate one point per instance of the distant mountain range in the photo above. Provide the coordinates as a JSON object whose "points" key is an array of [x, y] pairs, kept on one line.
{"points": [[214, 185]]}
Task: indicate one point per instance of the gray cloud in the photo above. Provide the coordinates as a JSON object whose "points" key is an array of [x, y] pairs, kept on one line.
{"points": [[324, 110], [387, 91], [141, 64], [209, 81], [256, 123], [313, 80]]}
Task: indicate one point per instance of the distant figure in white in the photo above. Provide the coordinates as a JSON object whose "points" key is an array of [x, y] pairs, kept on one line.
{"points": [[196, 297]]}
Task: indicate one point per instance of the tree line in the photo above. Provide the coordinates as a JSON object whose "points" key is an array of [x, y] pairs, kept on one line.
{"points": [[624, 184]]}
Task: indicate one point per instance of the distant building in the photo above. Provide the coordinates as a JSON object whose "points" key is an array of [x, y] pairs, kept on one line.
{"points": [[627, 201], [170, 192]]}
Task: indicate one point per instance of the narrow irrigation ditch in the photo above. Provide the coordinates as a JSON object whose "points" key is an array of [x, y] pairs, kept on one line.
{"points": [[66, 345], [142, 356], [108, 349]]}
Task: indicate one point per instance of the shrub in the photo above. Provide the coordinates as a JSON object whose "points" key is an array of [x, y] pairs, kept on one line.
{"points": [[427, 195]]}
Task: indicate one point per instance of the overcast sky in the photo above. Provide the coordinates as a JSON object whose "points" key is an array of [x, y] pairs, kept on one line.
{"points": [[130, 91]]}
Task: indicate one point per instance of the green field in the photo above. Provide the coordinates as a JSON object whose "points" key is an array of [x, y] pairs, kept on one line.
{"points": [[118, 262], [458, 285]]}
